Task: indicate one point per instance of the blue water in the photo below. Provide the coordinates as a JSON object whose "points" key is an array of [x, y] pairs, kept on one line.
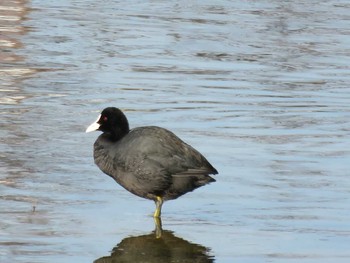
{"points": [[261, 88]]}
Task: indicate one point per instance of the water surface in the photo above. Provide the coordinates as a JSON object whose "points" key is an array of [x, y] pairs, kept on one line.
{"points": [[261, 88]]}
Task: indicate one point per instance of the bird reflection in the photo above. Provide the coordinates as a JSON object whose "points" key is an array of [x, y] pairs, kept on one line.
{"points": [[158, 246]]}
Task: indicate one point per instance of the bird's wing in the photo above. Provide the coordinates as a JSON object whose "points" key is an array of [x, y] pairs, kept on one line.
{"points": [[162, 149]]}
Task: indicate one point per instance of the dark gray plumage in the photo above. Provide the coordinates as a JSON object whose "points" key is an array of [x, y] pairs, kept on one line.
{"points": [[150, 162]]}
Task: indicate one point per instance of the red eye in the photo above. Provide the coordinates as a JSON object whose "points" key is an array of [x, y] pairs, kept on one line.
{"points": [[105, 118]]}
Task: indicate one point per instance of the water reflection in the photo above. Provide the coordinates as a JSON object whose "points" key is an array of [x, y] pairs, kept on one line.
{"points": [[154, 248], [12, 72], [13, 68]]}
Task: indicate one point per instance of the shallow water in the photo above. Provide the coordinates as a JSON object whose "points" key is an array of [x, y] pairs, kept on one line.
{"points": [[261, 88]]}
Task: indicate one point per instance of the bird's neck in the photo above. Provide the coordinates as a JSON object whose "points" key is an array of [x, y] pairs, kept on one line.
{"points": [[118, 132]]}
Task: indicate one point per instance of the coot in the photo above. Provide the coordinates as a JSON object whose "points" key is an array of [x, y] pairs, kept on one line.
{"points": [[150, 162]]}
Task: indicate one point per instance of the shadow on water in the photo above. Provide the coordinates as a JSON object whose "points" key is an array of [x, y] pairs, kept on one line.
{"points": [[158, 246]]}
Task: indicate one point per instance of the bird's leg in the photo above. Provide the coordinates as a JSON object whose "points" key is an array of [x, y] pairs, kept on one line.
{"points": [[158, 227], [159, 203]]}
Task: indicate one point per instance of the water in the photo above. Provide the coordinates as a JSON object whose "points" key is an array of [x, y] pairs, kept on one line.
{"points": [[261, 88]]}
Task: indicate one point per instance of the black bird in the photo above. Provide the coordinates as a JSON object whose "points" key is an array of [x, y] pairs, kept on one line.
{"points": [[150, 162]]}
